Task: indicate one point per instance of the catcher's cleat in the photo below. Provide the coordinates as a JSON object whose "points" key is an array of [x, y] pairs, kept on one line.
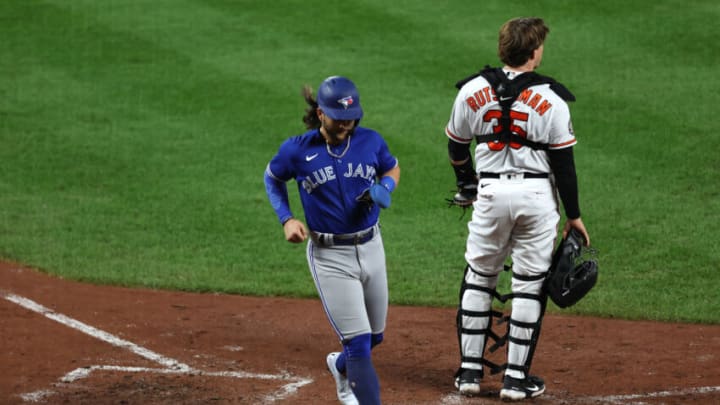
{"points": [[468, 382], [344, 392], [515, 389]]}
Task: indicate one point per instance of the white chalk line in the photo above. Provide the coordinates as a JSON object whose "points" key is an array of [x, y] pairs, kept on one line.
{"points": [[621, 399], [171, 366], [635, 399], [96, 333]]}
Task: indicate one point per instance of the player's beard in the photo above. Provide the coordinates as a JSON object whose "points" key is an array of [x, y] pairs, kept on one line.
{"points": [[337, 135]]}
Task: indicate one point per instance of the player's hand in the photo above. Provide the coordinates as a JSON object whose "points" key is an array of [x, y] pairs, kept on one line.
{"points": [[295, 231], [578, 224]]}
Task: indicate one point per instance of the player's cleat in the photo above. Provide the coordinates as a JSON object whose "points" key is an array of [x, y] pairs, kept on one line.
{"points": [[468, 382], [515, 389], [344, 392]]}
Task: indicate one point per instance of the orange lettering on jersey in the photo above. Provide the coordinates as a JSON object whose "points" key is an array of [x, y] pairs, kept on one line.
{"points": [[480, 99], [544, 106], [472, 103], [535, 100], [487, 94], [525, 96]]}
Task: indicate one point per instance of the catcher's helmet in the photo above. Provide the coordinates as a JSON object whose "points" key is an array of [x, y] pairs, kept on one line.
{"points": [[570, 276], [339, 99]]}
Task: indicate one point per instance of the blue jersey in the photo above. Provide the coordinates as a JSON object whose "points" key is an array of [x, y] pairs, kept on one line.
{"points": [[330, 178]]}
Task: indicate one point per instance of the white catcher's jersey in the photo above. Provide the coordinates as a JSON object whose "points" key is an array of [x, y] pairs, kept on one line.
{"points": [[539, 114]]}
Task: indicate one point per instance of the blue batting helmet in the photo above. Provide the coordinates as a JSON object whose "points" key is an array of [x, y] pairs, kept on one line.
{"points": [[339, 99]]}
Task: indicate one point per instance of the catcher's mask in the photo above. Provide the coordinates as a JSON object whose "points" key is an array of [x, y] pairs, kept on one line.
{"points": [[339, 99], [571, 276]]}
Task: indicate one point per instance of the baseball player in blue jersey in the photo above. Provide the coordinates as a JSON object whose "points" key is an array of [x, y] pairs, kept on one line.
{"points": [[345, 175]]}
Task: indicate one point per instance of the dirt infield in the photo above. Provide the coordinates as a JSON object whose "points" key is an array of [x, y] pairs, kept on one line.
{"points": [[72, 343]]}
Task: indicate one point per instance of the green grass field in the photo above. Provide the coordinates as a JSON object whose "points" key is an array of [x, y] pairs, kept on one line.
{"points": [[134, 135]]}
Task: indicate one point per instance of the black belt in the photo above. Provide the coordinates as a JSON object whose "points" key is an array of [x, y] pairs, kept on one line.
{"points": [[487, 175], [329, 239]]}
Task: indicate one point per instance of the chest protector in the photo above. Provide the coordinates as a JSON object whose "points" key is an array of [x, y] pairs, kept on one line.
{"points": [[507, 91]]}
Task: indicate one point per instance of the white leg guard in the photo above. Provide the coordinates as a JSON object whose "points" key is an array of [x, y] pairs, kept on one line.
{"points": [[474, 318], [528, 308]]}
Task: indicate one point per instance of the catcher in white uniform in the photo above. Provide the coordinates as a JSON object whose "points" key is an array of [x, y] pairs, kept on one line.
{"points": [[521, 123]]}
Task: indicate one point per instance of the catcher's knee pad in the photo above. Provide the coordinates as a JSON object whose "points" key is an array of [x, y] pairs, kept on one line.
{"points": [[358, 347], [474, 316], [528, 308]]}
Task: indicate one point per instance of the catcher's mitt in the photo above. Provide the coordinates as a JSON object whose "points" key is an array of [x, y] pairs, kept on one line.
{"points": [[571, 276]]}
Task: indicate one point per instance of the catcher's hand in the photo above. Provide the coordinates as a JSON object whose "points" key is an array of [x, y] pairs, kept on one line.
{"points": [[465, 195]]}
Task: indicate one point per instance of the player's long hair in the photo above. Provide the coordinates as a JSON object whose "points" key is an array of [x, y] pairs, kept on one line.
{"points": [[310, 118]]}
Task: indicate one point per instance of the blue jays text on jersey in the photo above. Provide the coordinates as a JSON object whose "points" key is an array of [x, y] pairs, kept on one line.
{"points": [[331, 178], [327, 173]]}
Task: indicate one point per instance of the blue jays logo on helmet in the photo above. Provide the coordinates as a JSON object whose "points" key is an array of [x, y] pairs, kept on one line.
{"points": [[346, 101], [339, 99]]}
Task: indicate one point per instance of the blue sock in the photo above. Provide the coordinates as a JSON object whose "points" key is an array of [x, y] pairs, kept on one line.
{"points": [[363, 380], [376, 339], [340, 362]]}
